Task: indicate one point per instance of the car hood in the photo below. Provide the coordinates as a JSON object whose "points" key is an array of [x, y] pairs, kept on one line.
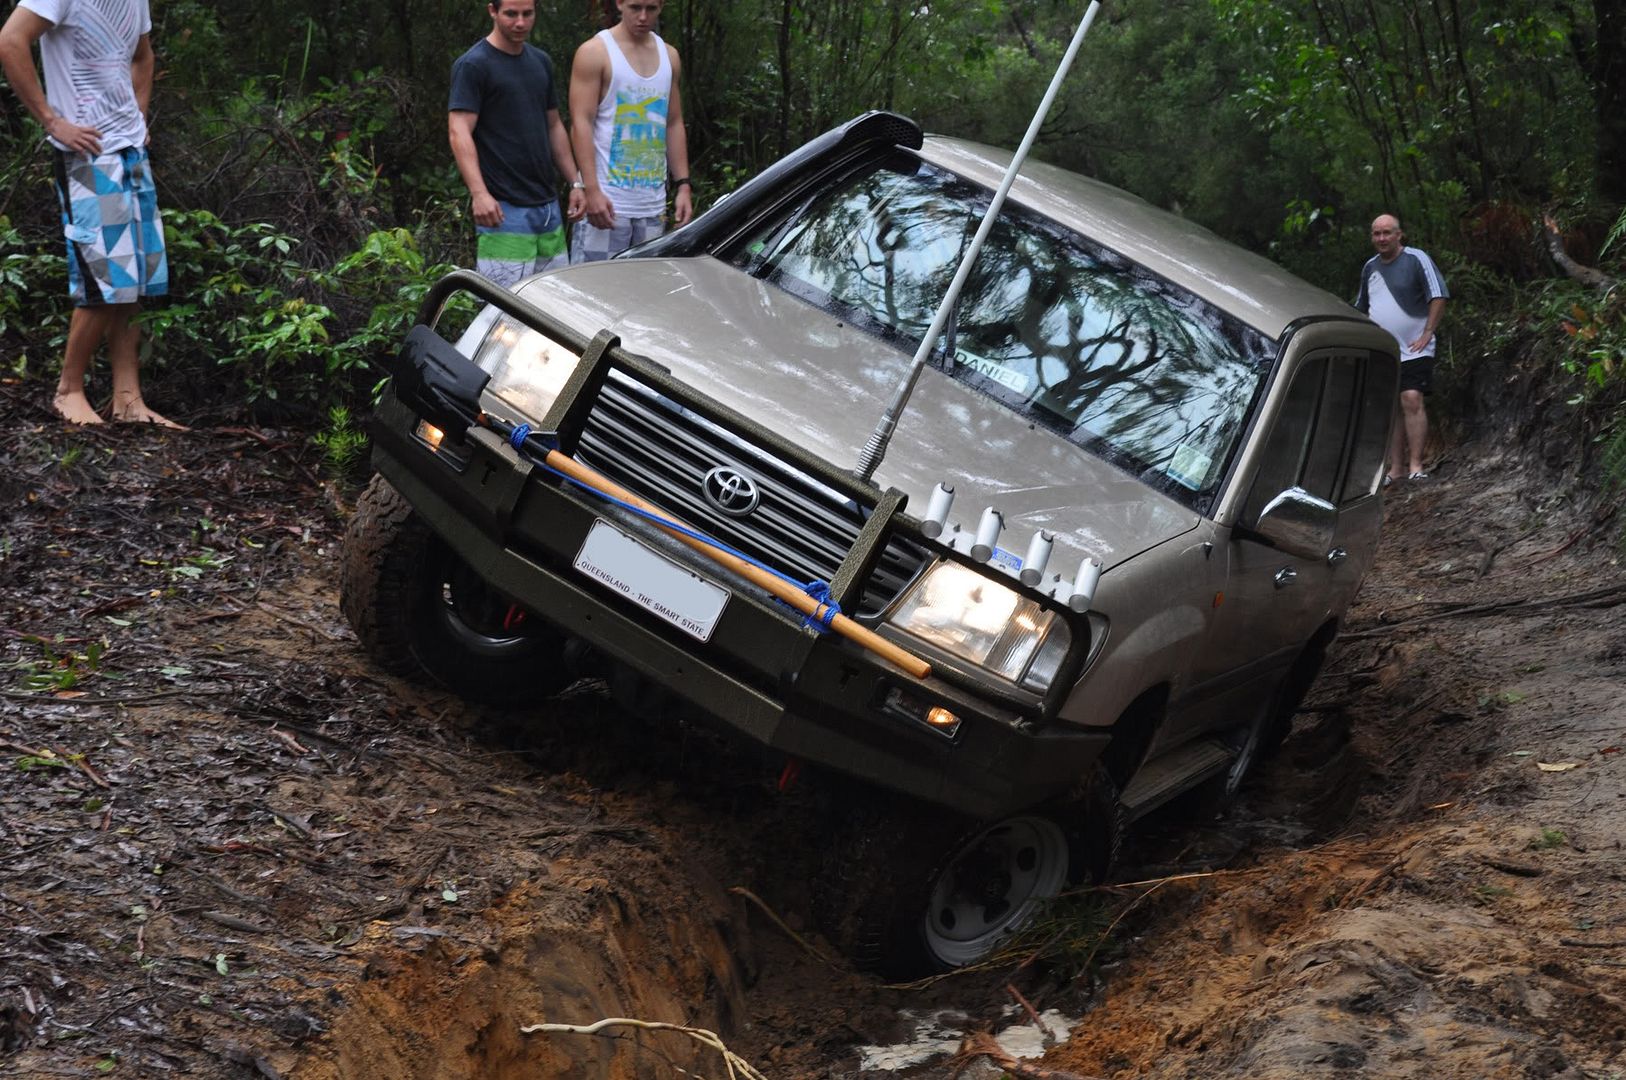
{"points": [[801, 372]]}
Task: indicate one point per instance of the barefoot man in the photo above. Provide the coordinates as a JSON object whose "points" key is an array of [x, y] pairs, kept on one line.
{"points": [[98, 82]]}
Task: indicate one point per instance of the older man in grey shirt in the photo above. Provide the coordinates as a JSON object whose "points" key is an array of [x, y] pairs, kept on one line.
{"points": [[1405, 293]]}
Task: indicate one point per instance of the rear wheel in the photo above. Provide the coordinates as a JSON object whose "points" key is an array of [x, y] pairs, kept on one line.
{"points": [[1263, 736], [417, 608]]}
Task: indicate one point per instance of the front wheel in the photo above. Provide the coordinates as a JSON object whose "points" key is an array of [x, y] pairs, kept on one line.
{"points": [[911, 898], [992, 885], [418, 608]]}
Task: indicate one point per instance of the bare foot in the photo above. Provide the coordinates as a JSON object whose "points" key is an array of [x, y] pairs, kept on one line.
{"points": [[75, 408], [136, 411]]}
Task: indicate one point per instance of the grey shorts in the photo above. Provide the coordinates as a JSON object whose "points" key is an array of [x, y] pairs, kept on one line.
{"points": [[589, 243]]}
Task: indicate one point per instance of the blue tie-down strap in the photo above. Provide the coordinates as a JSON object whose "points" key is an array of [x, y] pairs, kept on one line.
{"points": [[825, 614], [529, 441], [820, 619]]}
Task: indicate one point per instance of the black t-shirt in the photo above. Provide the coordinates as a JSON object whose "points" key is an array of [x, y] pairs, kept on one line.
{"points": [[512, 95]]}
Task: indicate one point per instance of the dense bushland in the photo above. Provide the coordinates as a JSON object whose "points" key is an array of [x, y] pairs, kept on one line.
{"points": [[310, 196]]}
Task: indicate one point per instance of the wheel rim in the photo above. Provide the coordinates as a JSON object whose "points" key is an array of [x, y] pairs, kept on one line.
{"points": [[470, 611], [992, 886]]}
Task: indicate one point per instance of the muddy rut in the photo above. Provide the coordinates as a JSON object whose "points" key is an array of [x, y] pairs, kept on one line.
{"points": [[235, 849]]}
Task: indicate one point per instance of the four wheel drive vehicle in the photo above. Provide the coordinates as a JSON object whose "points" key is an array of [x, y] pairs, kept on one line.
{"points": [[1132, 494]]}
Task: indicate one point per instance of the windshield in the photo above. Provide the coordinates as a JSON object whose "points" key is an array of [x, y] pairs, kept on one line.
{"points": [[1070, 335]]}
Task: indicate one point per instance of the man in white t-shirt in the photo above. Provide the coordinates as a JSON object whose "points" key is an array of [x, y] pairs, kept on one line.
{"points": [[1405, 293], [627, 128], [98, 82]]}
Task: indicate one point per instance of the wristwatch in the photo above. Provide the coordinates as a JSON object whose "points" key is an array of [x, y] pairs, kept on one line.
{"points": [[681, 181], [578, 185]]}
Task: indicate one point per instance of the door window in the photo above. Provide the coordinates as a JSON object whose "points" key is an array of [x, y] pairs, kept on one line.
{"points": [[1329, 435]]}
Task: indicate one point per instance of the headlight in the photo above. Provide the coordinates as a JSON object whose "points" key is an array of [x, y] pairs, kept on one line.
{"points": [[527, 369], [973, 617]]}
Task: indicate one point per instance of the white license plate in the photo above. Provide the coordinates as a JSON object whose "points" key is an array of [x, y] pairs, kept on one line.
{"points": [[651, 580]]}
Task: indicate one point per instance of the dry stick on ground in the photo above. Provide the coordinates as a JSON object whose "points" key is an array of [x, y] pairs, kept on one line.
{"points": [[1131, 906], [981, 1044], [141, 700], [402, 898], [1609, 596], [1390, 870], [84, 767], [301, 623], [277, 445], [736, 1065], [740, 890], [1027, 1006]]}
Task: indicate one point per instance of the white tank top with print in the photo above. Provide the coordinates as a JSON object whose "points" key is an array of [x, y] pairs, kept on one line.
{"points": [[629, 133]]}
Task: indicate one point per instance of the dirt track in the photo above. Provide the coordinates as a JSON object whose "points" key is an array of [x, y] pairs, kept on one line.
{"points": [[233, 849]]}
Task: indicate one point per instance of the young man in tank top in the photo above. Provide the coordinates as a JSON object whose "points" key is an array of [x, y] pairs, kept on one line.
{"points": [[626, 124]]}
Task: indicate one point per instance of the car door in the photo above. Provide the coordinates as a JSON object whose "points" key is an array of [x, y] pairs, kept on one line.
{"points": [[1326, 440]]}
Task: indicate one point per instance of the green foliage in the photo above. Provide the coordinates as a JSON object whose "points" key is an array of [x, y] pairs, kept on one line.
{"points": [[1616, 231], [1596, 355], [30, 762], [1435, 104], [34, 303], [1612, 457], [256, 309], [1074, 932], [343, 445], [1549, 839], [60, 668], [310, 197]]}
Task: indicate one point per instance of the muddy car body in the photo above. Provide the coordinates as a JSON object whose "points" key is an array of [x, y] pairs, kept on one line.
{"points": [[1164, 455]]}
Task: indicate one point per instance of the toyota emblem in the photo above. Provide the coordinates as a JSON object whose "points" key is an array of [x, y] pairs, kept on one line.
{"points": [[731, 491]]}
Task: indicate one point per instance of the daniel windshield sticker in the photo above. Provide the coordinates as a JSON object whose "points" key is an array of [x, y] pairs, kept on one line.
{"points": [[1189, 466], [993, 369]]}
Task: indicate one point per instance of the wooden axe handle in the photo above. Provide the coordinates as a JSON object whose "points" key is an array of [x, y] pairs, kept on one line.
{"points": [[774, 584]]}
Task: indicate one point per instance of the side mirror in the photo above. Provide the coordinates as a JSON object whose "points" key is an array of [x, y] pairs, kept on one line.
{"points": [[1298, 523]]}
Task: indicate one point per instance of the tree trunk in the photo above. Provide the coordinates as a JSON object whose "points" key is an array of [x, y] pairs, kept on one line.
{"points": [[1609, 97]]}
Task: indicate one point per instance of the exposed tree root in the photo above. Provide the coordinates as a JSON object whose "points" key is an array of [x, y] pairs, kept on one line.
{"points": [[736, 1065]]}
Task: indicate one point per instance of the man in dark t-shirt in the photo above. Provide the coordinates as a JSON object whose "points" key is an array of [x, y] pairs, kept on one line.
{"points": [[500, 89]]}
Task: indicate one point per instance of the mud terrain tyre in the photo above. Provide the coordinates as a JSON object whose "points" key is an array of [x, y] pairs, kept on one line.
{"points": [[911, 898], [420, 610], [1262, 738]]}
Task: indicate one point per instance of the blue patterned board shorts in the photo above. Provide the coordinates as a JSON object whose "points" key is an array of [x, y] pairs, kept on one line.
{"points": [[114, 231], [529, 240], [589, 243]]}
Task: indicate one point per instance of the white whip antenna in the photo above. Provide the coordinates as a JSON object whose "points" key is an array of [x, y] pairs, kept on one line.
{"points": [[869, 458]]}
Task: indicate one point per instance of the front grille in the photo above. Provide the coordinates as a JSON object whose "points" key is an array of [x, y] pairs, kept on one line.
{"points": [[800, 527]]}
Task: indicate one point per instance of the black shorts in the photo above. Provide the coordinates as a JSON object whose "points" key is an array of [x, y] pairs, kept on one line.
{"points": [[1417, 374]]}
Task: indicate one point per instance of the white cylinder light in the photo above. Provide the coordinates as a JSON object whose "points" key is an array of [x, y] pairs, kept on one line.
{"points": [[1038, 555], [937, 510], [987, 534], [1084, 582]]}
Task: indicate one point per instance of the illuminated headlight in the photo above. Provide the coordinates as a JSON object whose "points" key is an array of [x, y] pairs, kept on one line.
{"points": [[973, 617], [528, 369]]}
